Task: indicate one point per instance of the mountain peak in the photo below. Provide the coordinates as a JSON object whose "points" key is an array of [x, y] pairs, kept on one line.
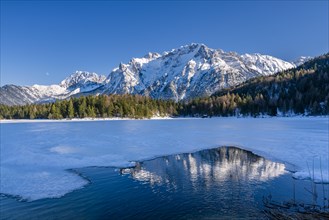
{"points": [[194, 47], [151, 55], [80, 78], [300, 60]]}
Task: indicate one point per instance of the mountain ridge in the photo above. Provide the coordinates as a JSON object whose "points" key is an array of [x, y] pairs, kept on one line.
{"points": [[186, 72]]}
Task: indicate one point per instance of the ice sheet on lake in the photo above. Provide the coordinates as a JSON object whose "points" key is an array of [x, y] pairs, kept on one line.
{"points": [[35, 156]]}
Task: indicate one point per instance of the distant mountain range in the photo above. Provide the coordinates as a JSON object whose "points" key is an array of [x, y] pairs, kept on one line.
{"points": [[187, 72]]}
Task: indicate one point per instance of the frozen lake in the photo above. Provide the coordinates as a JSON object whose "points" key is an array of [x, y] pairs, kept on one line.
{"points": [[35, 157]]}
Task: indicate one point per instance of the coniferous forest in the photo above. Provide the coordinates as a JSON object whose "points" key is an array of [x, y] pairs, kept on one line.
{"points": [[303, 90], [130, 106]]}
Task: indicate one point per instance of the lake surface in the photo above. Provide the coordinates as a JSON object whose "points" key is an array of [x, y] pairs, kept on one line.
{"points": [[220, 183], [58, 168]]}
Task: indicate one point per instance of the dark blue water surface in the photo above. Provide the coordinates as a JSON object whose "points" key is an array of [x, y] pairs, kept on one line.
{"points": [[220, 183]]}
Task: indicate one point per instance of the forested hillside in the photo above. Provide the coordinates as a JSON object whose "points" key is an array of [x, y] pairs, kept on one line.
{"points": [[301, 90]]}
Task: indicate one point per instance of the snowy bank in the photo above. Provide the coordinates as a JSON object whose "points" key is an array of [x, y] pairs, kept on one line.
{"points": [[79, 119]]}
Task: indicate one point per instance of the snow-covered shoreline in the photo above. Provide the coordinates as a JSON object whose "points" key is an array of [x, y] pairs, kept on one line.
{"points": [[80, 120], [152, 118]]}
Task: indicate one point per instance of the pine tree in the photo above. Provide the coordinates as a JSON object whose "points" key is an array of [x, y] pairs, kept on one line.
{"points": [[82, 107], [54, 112], [70, 109], [91, 112]]}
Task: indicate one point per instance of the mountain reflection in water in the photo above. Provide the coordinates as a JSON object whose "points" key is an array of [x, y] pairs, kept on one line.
{"points": [[220, 183], [209, 166]]}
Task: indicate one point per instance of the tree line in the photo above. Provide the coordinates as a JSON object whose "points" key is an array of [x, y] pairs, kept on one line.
{"points": [[301, 90], [132, 106]]}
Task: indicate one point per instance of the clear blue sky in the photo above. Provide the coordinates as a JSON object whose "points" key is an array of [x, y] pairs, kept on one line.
{"points": [[42, 42]]}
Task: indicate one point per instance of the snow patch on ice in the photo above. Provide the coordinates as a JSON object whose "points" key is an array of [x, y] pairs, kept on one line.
{"points": [[30, 183], [63, 150]]}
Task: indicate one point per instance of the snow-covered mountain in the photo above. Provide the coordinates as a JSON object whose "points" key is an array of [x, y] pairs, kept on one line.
{"points": [[300, 60], [76, 83], [189, 71], [85, 81]]}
